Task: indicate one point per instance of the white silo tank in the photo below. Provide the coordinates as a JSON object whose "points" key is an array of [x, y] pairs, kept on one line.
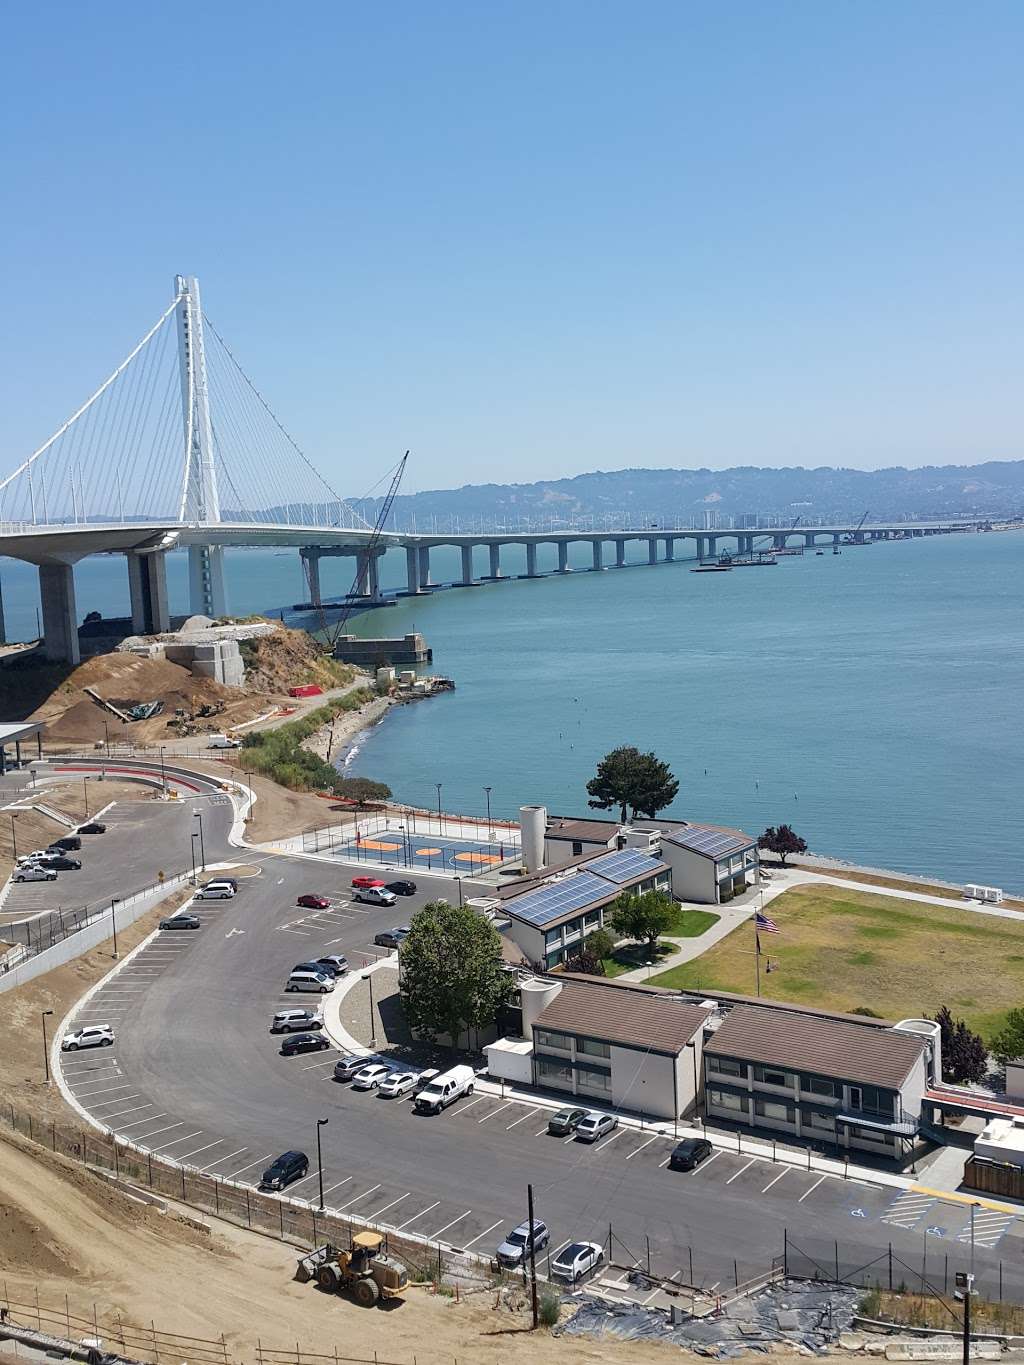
{"points": [[533, 824], [536, 995]]}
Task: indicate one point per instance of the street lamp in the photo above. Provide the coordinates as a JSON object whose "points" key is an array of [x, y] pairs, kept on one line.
{"points": [[368, 977], [487, 793], [194, 838], [14, 838], [113, 919], [458, 881], [163, 774], [46, 1055], [440, 821], [85, 795], [320, 1161], [202, 845]]}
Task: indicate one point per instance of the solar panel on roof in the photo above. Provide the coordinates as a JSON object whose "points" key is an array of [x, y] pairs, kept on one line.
{"points": [[625, 864], [714, 842], [551, 902]]}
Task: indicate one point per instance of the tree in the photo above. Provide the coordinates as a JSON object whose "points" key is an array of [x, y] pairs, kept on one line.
{"points": [[643, 918], [633, 781], [601, 943], [964, 1055], [451, 972], [782, 841], [1008, 1044]]}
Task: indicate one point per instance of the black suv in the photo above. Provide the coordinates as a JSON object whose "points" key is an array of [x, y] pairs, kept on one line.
{"points": [[93, 827], [402, 888], [689, 1154], [70, 843], [289, 1166], [61, 862]]}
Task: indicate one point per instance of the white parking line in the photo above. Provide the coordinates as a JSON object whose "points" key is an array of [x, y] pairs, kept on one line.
{"points": [[465, 1108], [134, 1110], [120, 1100], [217, 1160], [157, 1131], [705, 1164], [152, 1118], [607, 1141], [314, 1066], [662, 1164], [107, 1090], [356, 1198], [337, 1185], [482, 1234], [195, 1151], [94, 1063], [495, 1111], [736, 1174], [435, 1235], [642, 1146], [377, 1212], [417, 1215], [785, 1171], [812, 1189], [174, 1141], [251, 1164], [529, 1114]]}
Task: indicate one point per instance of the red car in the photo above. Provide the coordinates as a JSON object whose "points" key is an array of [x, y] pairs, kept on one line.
{"points": [[363, 882], [313, 902]]}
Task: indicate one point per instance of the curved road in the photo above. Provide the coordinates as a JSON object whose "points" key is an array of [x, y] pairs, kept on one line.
{"points": [[196, 1077]]}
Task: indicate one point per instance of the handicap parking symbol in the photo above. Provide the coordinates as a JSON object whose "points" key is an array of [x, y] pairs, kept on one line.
{"points": [[857, 1213], [936, 1232]]}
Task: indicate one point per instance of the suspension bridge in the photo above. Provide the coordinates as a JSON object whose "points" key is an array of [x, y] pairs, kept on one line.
{"points": [[178, 449]]}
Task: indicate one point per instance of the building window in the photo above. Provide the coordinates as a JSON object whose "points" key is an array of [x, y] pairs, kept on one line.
{"points": [[577, 848], [727, 1066], [594, 1078], [821, 1123], [545, 1038], [817, 1085], [773, 1109], [768, 1075], [554, 958], [724, 1100], [869, 1135], [872, 1100], [593, 1048], [591, 919], [552, 1072], [552, 937]]}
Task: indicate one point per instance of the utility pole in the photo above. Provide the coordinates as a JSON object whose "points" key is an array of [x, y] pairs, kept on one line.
{"points": [[113, 919], [965, 1291], [533, 1258]]}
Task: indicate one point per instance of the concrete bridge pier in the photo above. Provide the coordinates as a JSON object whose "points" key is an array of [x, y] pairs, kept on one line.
{"points": [[412, 570], [652, 549], [494, 555], [467, 566], [147, 586], [362, 583], [60, 617], [670, 550], [424, 556], [3, 624], [598, 547], [712, 546], [373, 575], [620, 554], [206, 591], [531, 560], [563, 557], [310, 559], [702, 548]]}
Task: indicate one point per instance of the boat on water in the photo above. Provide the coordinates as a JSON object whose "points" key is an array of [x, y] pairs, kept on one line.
{"points": [[818, 553], [788, 550], [712, 568], [757, 560]]}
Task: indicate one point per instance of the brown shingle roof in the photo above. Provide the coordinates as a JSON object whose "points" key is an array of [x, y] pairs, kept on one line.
{"points": [[828, 1047], [660, 1024], [589, 831]]}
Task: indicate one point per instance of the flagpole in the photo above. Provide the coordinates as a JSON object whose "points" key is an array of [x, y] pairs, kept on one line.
{"points": [[757, 955]]}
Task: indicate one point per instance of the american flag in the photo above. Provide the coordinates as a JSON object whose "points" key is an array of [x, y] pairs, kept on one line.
{"points": [[764, 925]]}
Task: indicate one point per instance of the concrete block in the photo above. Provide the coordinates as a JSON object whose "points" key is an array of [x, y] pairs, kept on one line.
{"points": [[941, 1350]]}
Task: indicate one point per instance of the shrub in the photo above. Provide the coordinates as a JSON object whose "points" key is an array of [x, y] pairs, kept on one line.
{"points": [[549, 1306], [866, 1011], [279, 755]]}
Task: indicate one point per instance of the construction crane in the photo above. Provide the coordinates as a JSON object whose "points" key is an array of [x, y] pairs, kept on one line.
{"points": [[852, 538], [332, 633]]}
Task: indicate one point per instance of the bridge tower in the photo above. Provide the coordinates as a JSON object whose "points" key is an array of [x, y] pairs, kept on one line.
{"points": [[200, 499]]}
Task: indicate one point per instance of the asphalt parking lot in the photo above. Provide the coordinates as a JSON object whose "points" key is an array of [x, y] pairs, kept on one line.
{"points": [[196, 1076]]}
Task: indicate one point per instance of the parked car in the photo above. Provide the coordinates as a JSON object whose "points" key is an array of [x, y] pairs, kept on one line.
{"points": [[367, 881], [335, 962], [181, 922], [375, 895], [30, 859], [398, 1083], [60, 861], [402, 888], [566, 1121], [390, 938], [93, 827], [32, 872], [225, 881], [70, 843], [595, 1126], [688, 1154], [307, 980], [347, 1065], [304, 1042], [215, 891], [288, 1021], [97, 1035], [311, 902], [515, 1249], [577, 1259], [370, 1076], [287, 1167]]}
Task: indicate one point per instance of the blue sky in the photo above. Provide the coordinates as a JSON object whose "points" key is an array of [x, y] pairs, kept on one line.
{"points": [[531, 240]]}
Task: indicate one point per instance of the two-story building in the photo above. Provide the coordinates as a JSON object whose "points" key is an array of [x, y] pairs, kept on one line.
{"points": [[817, 1077]]}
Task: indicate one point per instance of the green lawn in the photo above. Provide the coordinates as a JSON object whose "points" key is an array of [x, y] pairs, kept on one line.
{"points": [[841, 950], [685, 924]]}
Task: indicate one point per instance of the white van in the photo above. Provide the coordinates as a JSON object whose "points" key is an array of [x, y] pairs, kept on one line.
{"points": [[310, 981], [215, 891], [223, 742], [445, 1090]]}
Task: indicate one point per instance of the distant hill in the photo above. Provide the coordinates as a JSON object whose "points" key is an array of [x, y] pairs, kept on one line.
{"points": [[681, 495]]}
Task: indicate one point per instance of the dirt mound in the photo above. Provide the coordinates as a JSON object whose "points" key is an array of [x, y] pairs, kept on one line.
{"points": [[289, 658]]}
